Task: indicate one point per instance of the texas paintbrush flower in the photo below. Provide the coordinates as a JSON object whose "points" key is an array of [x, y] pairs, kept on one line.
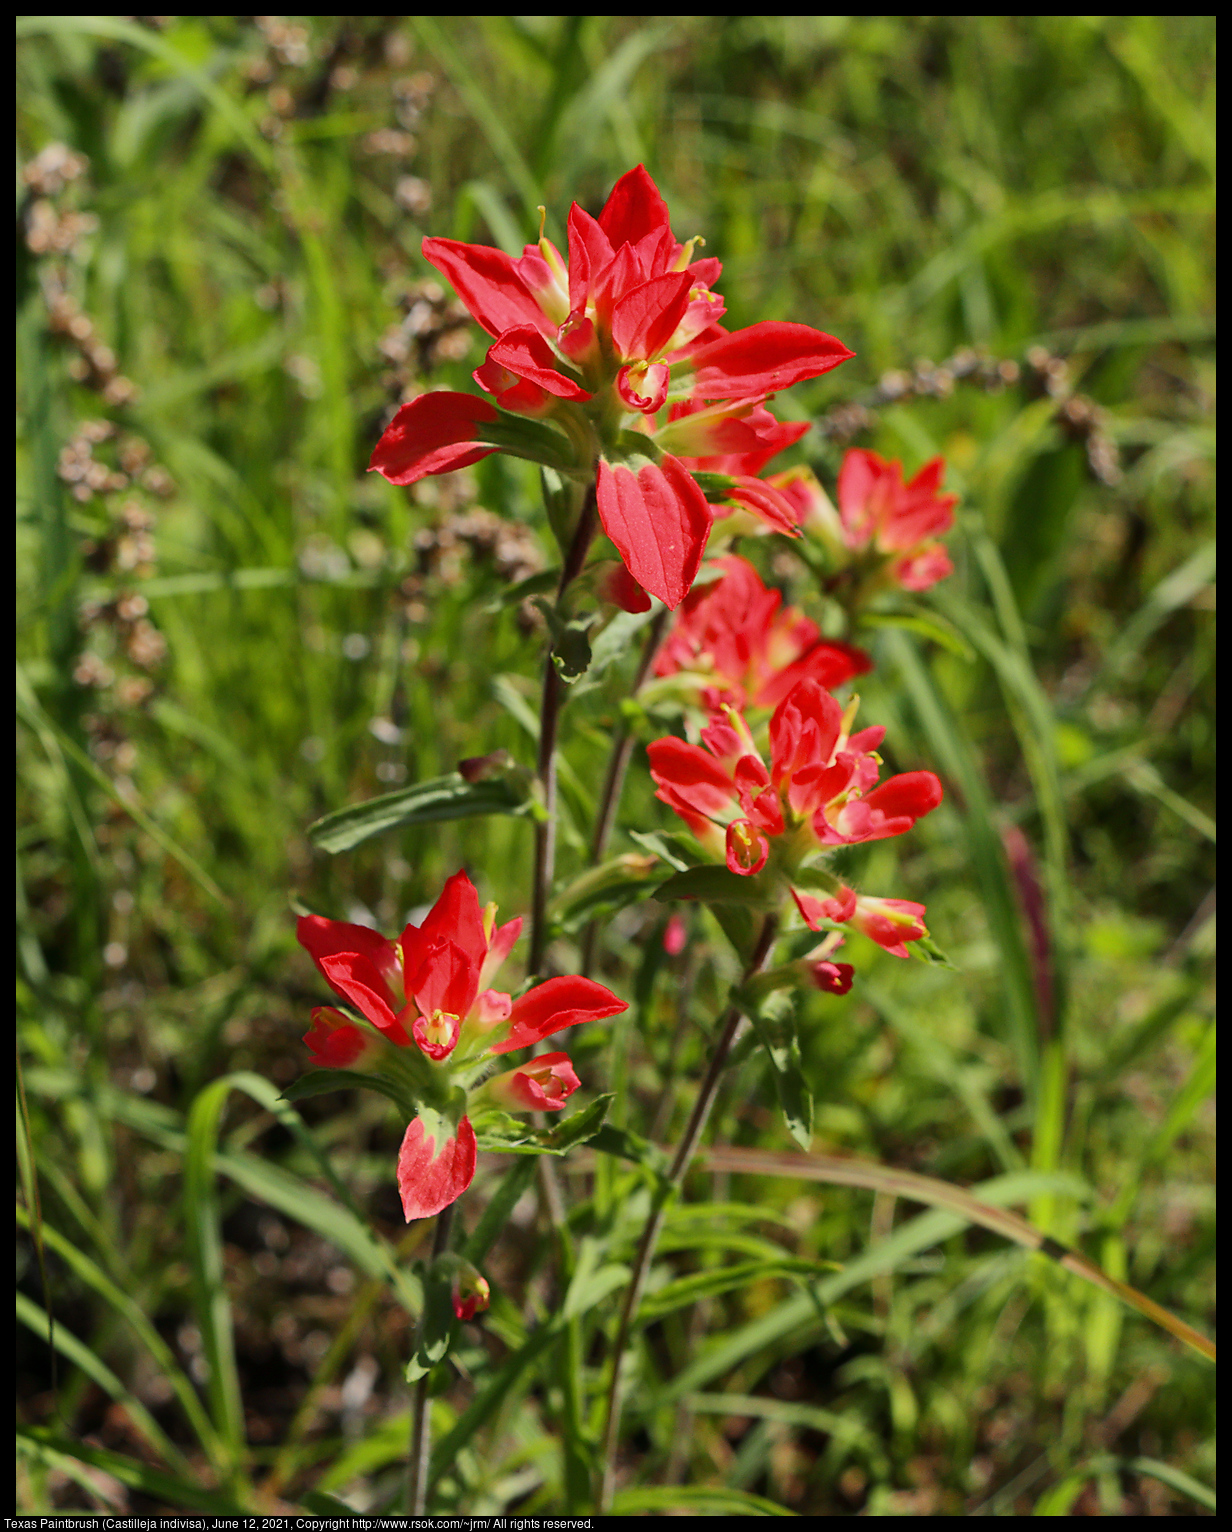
{"points": [[819, 791], [428, 1029], [731, 444], [587, 351], [884, 530], [733, 642]]}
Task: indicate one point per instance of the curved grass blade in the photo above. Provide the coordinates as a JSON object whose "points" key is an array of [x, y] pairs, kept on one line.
{"points": [[144, 1330], [167, 1489], [663, 1499], [80, 1355], [836, 1171], [211, 1302]]}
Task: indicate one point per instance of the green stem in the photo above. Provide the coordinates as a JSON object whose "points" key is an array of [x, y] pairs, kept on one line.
{"points": [[549, 718], [417, 1467], [728, 1029], [617, 768]]}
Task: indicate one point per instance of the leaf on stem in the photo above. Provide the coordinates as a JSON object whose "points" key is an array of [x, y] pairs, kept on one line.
{"points": [[440, 798], [773, 1018]]}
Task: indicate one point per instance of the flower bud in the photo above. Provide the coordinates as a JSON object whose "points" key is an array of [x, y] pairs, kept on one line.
{"points": [[543, 1085], [469, 1291], [337, 1042]]}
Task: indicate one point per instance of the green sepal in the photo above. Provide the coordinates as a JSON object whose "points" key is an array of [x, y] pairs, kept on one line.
{"points": [[925, 950], [503, 1133], [715, 486], [773, 1018]]}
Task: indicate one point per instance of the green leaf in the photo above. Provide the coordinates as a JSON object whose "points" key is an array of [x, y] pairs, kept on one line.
{"points": [[533, 585], [495, 1216], [318, 1082], [438, 1323], [602, 890], [931, 626], [773, 1018], [718, 885], [677, 850], [581, 1128], [660, 1498], [72, 1457], [570, 640], [430, 802], [629, 1146], [503, 1133], [724, 1279]]}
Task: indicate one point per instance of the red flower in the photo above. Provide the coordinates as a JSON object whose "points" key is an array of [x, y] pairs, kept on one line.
{"points": [[425, 995], [594, 346], [898, 521], [818, 791], [821, 777], [742, 649]]}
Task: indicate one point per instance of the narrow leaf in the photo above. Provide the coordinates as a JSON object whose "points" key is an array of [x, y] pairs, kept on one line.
{"points": [[440, 798]]}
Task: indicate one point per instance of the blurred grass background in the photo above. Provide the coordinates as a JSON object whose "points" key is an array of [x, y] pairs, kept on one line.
{"points": [[226, 628]]}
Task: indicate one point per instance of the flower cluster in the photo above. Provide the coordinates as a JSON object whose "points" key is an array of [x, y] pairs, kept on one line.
{"points": [[612, 368], [884, 530], [820, 787], [731, 643], [428, 1028]]}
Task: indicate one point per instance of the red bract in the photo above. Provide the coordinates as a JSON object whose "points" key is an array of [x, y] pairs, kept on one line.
{"points": [[659, 521], [736, 440], [818, 791], [594, 345], [731, 636], [821, 777], [435, 433], [896, 520], [425, 994]]}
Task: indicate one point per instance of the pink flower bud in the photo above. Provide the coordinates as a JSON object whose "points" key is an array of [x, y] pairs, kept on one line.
{"points": [[543, 1085], [470, 1292], [833, 978], [675, 936]]}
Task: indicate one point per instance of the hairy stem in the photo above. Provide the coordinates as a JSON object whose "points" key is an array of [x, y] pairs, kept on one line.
{"points": [[417, 1467], [728, 1028], [549, 718]]}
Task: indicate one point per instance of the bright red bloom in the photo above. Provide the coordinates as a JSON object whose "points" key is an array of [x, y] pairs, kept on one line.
{"points": [[426, 995], [594, 346], [744, 650], [737, 440], [821, 777], [818, 791], [889, 922], [901, 522]]}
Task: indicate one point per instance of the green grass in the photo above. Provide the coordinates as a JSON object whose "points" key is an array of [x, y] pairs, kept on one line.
{"points": [[914, 186]]}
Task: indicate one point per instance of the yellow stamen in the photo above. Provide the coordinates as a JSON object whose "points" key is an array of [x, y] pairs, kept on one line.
{"points": [[438, 1029]]}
